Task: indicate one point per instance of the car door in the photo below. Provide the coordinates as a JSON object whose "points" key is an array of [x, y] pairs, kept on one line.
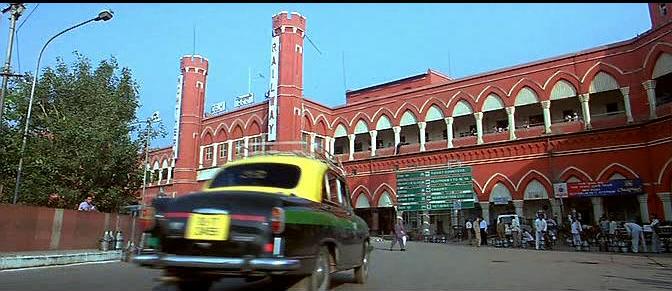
{"points": [[352, 227]]}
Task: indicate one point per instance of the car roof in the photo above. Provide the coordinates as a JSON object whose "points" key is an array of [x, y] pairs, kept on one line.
{"points": [[312, 170]]}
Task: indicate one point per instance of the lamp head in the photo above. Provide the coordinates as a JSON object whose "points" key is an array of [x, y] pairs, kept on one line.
{"points": [[104, 15]]}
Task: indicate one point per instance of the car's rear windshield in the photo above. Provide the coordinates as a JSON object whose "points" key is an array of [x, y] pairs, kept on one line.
{"points": [[261, 174]]}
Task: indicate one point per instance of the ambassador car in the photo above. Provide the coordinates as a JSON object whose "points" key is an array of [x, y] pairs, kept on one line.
{"points": [[283, 216]]}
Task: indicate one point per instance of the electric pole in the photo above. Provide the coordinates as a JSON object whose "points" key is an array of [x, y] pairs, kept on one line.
{"points": [[15, 9]]}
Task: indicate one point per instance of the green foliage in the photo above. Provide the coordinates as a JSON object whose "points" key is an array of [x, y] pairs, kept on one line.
{"points": [[79, 140]]}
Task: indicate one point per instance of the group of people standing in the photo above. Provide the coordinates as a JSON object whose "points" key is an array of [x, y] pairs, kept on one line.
{"points": [[479, 229]]}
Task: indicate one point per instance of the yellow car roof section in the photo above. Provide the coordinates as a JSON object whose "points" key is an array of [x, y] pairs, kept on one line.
{"points": [[310, 180]]}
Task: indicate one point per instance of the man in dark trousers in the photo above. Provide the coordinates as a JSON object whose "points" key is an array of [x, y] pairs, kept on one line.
{"points": [[484, 231], [399, 234]]}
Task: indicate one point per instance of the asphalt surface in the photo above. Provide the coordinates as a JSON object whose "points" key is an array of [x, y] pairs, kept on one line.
{"points": [[422, 267]]}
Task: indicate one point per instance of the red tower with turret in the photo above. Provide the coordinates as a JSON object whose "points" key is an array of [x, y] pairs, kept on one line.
{"points": [[290, 27], [194, 72]]}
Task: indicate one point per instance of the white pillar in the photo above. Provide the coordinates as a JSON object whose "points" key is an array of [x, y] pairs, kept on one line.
{"points": [[598, 209], [312, 142], [510, 111], [374, 134], [246, 143], [331, 147], [397, 131], [160, 175], [352, 146], [650, 87], [546, 106], [644, 207], [485, 211], [479, 127], [519, 207], [214, 154], [200, 158], [449, 130], [626, 100], [170, 176], [229, 150], [422, 125], [585, 98], [667, 204]]}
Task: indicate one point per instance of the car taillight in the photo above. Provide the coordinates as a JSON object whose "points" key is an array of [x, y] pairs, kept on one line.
{"points": [[147, 218], [277, 220]]}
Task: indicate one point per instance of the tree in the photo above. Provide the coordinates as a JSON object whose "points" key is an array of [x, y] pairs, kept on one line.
{"points": [[79, 140]]}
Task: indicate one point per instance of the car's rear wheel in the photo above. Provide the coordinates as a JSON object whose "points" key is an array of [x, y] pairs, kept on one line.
{"points": [[362, 272], [318, 280]]}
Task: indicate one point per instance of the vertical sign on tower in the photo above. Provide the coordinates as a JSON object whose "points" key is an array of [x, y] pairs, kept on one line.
{"points": [[273, 90], [178, 107]]}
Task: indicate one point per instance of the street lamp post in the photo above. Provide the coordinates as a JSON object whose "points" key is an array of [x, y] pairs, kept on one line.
{"points": [[155, 118], [104, 15]]}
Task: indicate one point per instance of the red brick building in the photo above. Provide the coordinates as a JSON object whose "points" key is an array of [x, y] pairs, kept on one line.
{"points": [[595, 115]]}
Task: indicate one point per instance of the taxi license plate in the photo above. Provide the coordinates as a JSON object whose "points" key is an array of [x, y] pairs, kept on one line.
{"points": [[208, 226]]}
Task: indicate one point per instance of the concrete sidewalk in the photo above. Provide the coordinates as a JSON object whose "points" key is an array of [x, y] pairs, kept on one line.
{"points": [[15, 260]]}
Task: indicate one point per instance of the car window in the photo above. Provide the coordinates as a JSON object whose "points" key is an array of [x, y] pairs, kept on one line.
{"points": [[334, 188], [261, 174], [326, 196], [344, 194]]}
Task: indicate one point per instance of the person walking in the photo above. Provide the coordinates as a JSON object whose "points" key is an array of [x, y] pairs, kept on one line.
{"points": [[636, 234], [87, 204], [515, 232], [399, 234], [540, 227], [477, 231], [576, 233], [484, 231], [469, 227], [655, 239]]}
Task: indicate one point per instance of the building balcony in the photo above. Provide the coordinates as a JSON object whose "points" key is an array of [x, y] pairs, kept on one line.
{"points": [[527, 132], [664, 109], [562, 127], [494, 136], [608, 120]]}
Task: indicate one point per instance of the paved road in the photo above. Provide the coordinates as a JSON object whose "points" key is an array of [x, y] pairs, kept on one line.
{"points": [[421, 267]]}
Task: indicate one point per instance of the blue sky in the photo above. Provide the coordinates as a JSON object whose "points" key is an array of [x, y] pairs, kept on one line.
{"points": [[378, 42]]}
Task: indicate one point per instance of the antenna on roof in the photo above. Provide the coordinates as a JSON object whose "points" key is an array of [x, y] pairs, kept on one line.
{"points": [[194, 41], [343, 63], [311, 42]]}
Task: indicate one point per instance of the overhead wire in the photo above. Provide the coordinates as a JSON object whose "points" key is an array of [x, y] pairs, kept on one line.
{"points": [[16, 39]]}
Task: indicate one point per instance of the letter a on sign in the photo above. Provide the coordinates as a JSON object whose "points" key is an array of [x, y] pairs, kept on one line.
{"points": [[273, 90]]}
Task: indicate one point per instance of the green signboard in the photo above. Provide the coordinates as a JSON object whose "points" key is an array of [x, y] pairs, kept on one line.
{"points": [[436, 189]]}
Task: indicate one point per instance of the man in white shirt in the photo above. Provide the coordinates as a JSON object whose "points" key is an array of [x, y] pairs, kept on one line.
{"points": [[576, 233], [636, 234], [540, 226], [484, 232]]}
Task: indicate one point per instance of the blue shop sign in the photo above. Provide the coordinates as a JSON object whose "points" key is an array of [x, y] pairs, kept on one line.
{"points": [[605, 189]]}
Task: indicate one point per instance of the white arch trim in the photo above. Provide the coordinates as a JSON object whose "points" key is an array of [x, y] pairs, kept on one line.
{"points": [[578, 170], [583, 79], [663, 66], [602, 82], [616, 164], [520, 81], [388, 188], [422, 108], [477, 185], [357, 189], [206, 130], [403, 106], [662, 170], [555, 74], [486, 90], [536, 172], [653, 48], [498, 174], [358, 118]]}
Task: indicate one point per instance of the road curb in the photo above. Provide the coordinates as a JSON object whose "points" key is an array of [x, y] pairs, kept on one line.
{"points": [[25, 261]]}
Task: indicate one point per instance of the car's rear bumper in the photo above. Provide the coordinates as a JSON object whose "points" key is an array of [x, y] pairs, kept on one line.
{"points": [[218, 263]]}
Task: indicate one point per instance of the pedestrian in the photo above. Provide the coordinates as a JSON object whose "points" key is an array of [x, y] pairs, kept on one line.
{"points": [[540, 227], [484, 231], [501, 229], [87, 204], [576, 233], [477, 231], [515, 232], [399, 234], [655, 239], [470, 229], [636, 234]]}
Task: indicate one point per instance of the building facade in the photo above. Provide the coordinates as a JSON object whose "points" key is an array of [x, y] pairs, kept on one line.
{"points": [[593, 116]]}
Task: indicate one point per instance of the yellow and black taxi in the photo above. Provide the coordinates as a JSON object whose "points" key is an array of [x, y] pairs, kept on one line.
{"points": [[283, 216]]}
